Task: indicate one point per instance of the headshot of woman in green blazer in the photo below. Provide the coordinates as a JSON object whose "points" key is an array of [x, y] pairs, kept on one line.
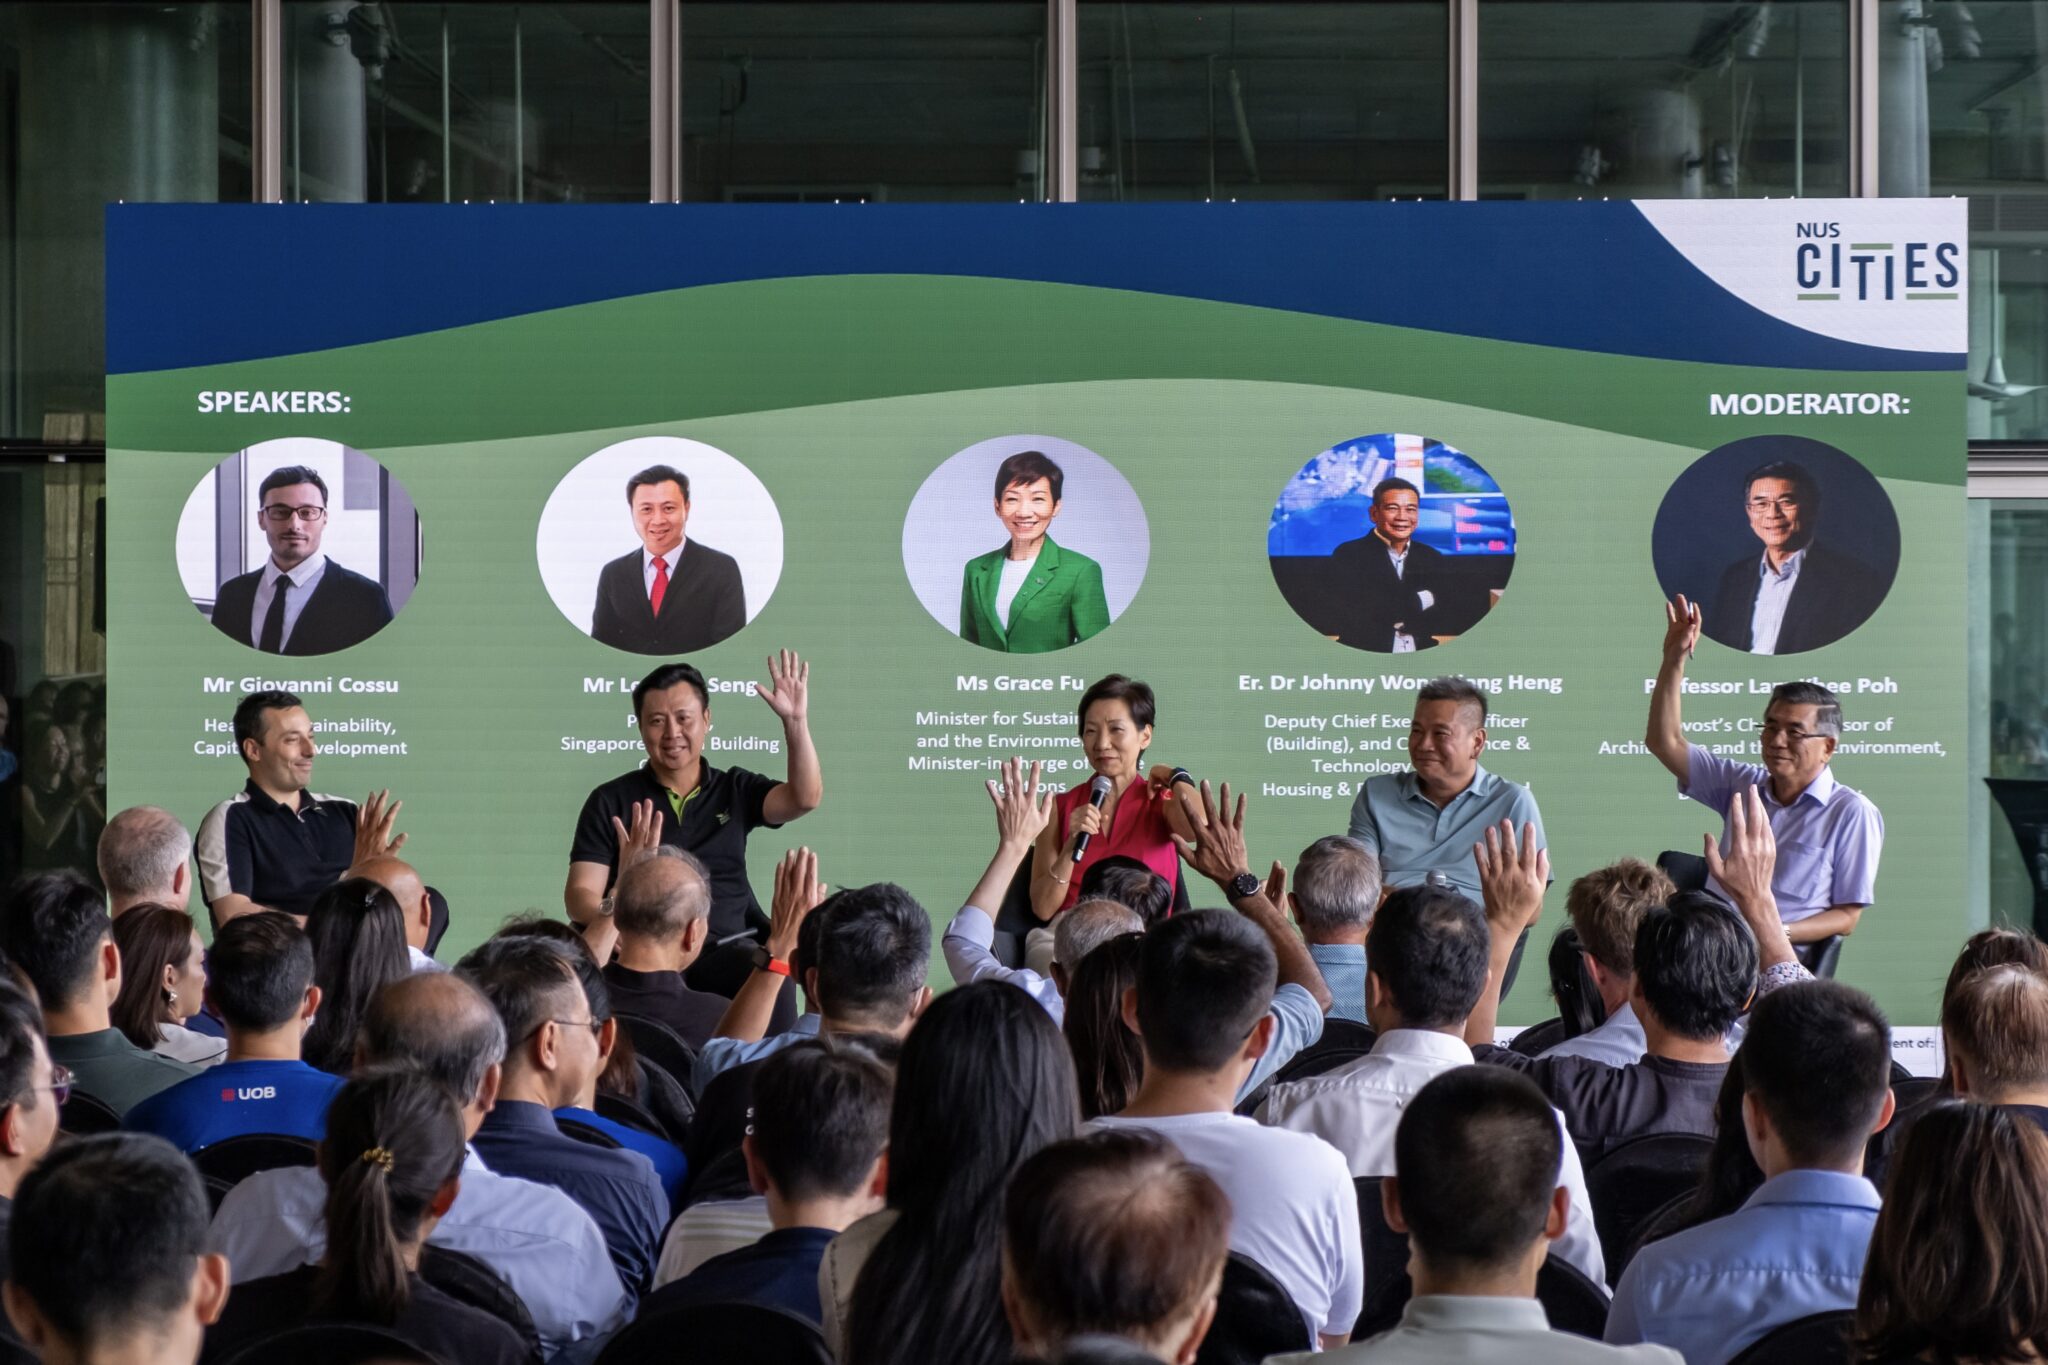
{"points": [[1031, 596]]}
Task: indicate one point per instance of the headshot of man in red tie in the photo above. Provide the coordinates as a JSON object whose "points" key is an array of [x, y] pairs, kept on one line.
{"points": [[673, 594]]}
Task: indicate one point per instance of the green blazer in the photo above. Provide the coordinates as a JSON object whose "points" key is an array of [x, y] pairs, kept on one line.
{"points": [[1060, 604]]}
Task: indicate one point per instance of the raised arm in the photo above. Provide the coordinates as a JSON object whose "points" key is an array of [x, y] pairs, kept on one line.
{"points": [[788, 694], [583, 894], [1220, 856], [1512, 875], [1052, 863], [1022, 811], [1183, 808], [797, 892], [1666, 736], [1745, 874]]}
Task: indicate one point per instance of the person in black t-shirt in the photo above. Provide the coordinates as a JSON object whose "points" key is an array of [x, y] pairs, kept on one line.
{"points": [[662, 907]]}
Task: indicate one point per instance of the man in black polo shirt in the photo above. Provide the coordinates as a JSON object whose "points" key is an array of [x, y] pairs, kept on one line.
{"points": [[276, 845], [678, 798]]}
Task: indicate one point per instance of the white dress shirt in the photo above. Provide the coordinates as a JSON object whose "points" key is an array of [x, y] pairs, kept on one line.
{"points": [[1773, 595], [301, 579], [189, 1045], [420, 961], [672, 558], [966, 946], [1458, 1329], [546, 1249], [1015, 571], [1357, 1107], [1617, 1040]]}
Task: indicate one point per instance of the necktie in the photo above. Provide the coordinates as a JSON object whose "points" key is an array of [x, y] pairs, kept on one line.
{"points": [[273, 620], [660, 589]]}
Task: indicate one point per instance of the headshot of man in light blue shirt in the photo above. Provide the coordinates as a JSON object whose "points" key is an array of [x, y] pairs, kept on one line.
{"points": [[1336, 890]]}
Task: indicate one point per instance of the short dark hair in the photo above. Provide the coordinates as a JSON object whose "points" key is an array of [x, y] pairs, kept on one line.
{"points": [[1116, 687], [874, 949], [1385, 486], [1827, 716], [1028, 467], [21, 1023], [258, 970], [1479, 1154], [249, 713], [106, 1234], [441, 1023], [666, 676], [55, 924], [1428, 946], [1818, 1061], [1205, 979], [1804, 486], [1125, 880], [1696, 962], [1449, 688], [658, 474], [522, 977], [821, 1117], [291, 474]]}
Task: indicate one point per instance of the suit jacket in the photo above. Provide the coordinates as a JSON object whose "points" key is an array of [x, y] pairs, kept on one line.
{"points": [[1369, 598], [1832, 596], [705, 603], [1061, 602], [345, 609]]}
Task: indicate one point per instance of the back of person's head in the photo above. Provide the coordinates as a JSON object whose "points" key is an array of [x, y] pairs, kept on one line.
{"points": [[1696, 964], [1336, 886], [141, 852], [155, 942], [1427, 948], [258, 971], [54, 926], [440, 1023], [392, 1154], [1995, 1027], [984, 1083], [1128, 881], [874, 949], [1101, 1350], [1607, 905], [1109, 1058], [542, 926], [107, 1245], [821, 1119], [1113, 1233], [1088, 926], [1995, 948], [1958, 1264], [1479, 1153], [1817, 1060], [528, 982], [1205, 980], [358, 933], [659, 898], [30, 1107]]}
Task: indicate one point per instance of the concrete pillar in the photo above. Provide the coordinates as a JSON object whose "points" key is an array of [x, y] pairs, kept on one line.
{"points": [[326, 108]]}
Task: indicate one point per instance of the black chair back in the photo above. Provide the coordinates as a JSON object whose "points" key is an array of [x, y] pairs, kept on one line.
{"points": [[725, 1178], [1676, 1215], [1538, 1039], [1822, 1339], [83, 1115], [656, 1042], [1688, 871], [466, 1279], [664, 1098], [235, 1159], [729, 1333], [334, 1343], [1255, 1318], [1911, 1098], [1635, 1180], [722, 1115], [1570, 1299], [620, 1109], [1822, 956], [583, 1132], [1387, 1287]]}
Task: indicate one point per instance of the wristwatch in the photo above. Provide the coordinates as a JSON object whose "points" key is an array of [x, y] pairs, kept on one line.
{"points": [[1243, 885], [765, 961]]}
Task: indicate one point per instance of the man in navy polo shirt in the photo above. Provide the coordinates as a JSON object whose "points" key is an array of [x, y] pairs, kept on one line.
{"points": [[259, 976]]}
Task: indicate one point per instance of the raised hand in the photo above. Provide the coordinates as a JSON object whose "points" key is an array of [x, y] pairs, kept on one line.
{"points": [[1745, 871], [1022, 809], [1681, 628], [788, 689], [638, 840], [797, 892], [1219, 854], [374, 824], [1512, 877]]}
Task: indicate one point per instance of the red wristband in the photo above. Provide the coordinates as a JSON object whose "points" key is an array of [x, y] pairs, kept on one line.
{"points": [[777, 966]]}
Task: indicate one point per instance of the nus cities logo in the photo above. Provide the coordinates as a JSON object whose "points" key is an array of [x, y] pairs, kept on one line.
{"points": [[1830, 269]]}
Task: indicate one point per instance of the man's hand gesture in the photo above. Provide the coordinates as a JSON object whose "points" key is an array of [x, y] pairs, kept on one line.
{"points": [[1745, 871], [1219, 852], [1512, 878], [638, 840], [1022, 809], [788, 689], [797, 892], [1681, 629], [375, 821]]}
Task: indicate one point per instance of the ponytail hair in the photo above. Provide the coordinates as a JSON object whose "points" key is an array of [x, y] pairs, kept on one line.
{"points": [[393, 1140]]}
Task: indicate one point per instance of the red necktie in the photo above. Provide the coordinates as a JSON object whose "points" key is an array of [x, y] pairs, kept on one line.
{"points": [[660, 589]]}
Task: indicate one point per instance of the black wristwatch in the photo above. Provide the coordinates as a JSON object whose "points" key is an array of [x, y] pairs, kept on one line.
{"points": [[765, 961], [1243, 885]]}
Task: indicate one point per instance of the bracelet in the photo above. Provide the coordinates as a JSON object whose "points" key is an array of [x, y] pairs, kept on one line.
{"points": [[1178, 776]]}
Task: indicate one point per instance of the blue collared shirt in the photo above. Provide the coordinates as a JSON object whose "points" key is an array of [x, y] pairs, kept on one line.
{"points": [[1829, 838], [1617, 1040], [1412, 837], [1795, 1248], [723, 1054], [1343, 969]]}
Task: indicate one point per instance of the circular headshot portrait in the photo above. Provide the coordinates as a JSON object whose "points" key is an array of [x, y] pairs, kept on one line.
{"points": [[1786, 543], [660, 545], [1392, 543], [1026, 544], [299, 546]]}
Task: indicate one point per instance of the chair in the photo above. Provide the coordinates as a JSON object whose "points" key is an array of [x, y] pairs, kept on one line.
{"points": [[656, 1042], [82, 1116], [1821, 956], [334, 1343], [1911, 1098], [1538, 1039], [725, 1178], [723, 1112], [583, 1132], [1570, 1299], [1674, 1216], [665, 1098], [235, 1159], [1255, 1318], [1635, 1180], [622, 1110], [729, 1333], [1822, 1339], [469, 1280], [1688, 871]]}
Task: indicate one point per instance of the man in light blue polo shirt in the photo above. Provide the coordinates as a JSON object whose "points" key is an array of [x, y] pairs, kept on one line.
{"points": [[1829, 836], [1336, 890]]}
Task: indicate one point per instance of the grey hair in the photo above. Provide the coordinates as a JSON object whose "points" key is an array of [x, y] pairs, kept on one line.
{"points": [[1088, 926], [141, 850], [646, 904], [1827, 716], [440, 1023], [1449, 688], [1336, 884]]}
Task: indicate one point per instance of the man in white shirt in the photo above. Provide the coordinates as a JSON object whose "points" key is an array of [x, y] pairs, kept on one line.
{"points": [[1606, 907], [1478, 1195], [1426, 966], [1205, 983], [405, 886]]}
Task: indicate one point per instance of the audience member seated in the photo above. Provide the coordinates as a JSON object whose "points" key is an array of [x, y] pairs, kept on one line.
{"points": [[1201, 1012], [145, 858], [107, 1253], [262, 986], [1108, 1059], [1478, 1195], [814, 1152], [358, 935], [415, 903], [661, 907], [392, 1163], [984, 1083], [1336, 890], [1607, 906], [1730, 1176], [1119, 878], [1958, 1267], [1994, 1027], [550, 1060], [1428, 954], [57, 932], [163, 983], [34, 1089], [547, 1249], [1816, 1067], [1113, 1234], [667, 1159]]}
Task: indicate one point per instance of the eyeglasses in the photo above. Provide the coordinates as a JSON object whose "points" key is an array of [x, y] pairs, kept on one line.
{"points": [[1759, 506], [279, 514], [1787, 733], [59, 1087], [596, 1027]]}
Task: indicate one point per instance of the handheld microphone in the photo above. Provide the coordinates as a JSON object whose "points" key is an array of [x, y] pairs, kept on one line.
{"points": [[1098, 792]]}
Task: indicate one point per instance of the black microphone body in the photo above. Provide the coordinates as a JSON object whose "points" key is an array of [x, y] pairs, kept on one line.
{"points": [[1098, 792]]}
